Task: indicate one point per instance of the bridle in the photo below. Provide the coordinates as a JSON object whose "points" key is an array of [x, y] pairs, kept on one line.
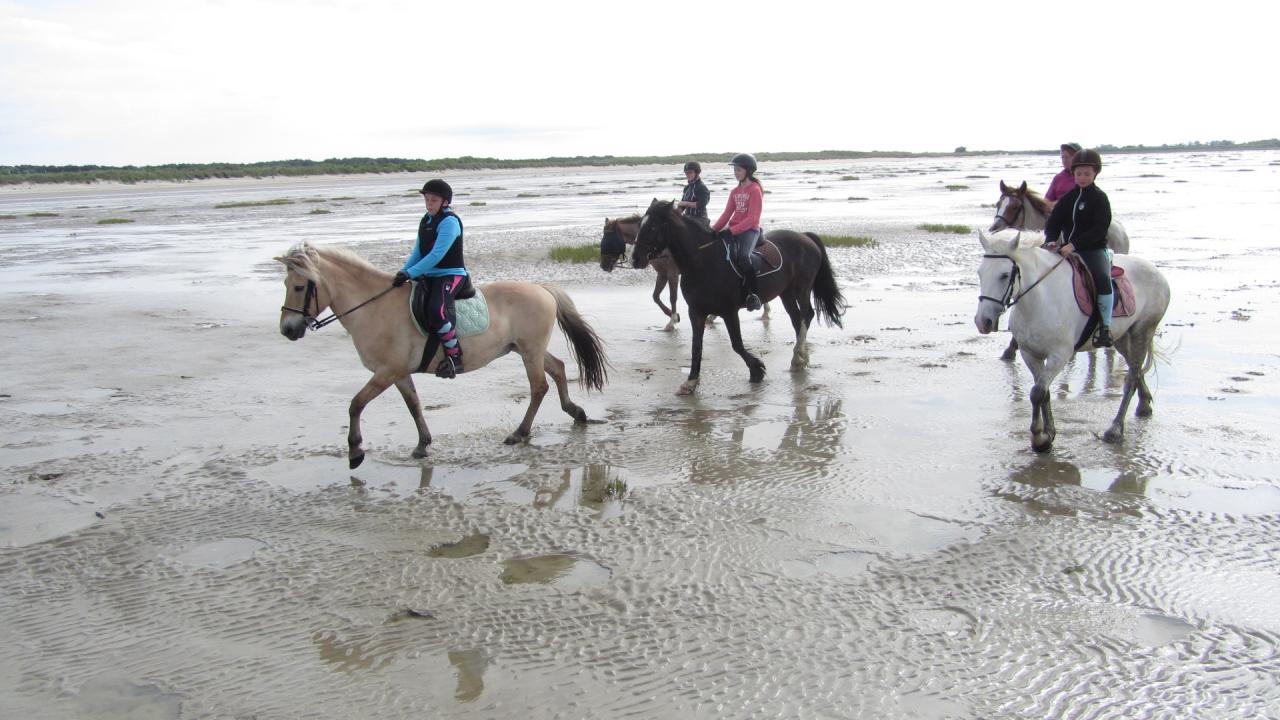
{"points": [[1018, 217], [312, 296], [1009, 299]]}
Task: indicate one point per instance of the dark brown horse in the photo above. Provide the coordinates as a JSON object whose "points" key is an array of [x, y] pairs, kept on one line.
{"points": [[711, 286]]}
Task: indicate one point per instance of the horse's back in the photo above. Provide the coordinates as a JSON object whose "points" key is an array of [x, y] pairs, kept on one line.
{"points": [[1149, 284]]}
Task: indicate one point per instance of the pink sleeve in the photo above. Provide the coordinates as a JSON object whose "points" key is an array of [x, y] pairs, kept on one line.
{"points": [[724, 216], [755, 206]]}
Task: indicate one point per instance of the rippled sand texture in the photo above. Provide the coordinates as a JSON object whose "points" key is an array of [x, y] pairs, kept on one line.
{"points": [[180, 537]]}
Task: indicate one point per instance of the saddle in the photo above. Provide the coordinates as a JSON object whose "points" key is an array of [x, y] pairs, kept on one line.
{"points": [[469, 306], [766, 258], [1086, 296]]}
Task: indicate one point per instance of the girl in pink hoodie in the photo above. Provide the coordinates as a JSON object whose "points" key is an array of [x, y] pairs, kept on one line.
{"points": [[742, 215]]}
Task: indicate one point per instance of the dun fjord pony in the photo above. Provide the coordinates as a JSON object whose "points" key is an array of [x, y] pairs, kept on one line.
{"points": [[521, 317], [1022, 209], [1036, 285], [620, 233], [711, 287]]}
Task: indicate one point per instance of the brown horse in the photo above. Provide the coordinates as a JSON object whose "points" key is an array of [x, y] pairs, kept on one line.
{"points": [[521, 316], [621, 232]]}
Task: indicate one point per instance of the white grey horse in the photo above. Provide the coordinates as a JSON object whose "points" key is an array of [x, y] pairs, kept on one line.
{"points": [[1035, 285]]}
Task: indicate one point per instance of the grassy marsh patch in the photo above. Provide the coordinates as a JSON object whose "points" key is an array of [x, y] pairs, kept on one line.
{"points": [[527, 194], [253, 203], [848, 241], [114, 221], [42, 214], [477, 203], [319, 211], [954, 188], [575, 253], [945, 228], [8, 217]]}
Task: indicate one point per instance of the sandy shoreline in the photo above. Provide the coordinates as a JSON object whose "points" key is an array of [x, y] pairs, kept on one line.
{"points": [[180, 535]]}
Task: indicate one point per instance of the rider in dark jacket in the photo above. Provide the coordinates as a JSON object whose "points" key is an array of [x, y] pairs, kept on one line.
{"points": [[1081, 219], [437, 261]]}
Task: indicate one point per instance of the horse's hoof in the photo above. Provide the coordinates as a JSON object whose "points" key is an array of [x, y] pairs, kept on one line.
{"points": [[579, 416], [687, 389], [1113, 436], [1143, 411], [757, 375], [515, 438], [1008, 355], [1042, 443], [419, 453], [355, 461]]}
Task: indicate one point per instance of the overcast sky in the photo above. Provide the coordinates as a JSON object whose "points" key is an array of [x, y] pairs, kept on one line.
{"points": [[115, 82]]}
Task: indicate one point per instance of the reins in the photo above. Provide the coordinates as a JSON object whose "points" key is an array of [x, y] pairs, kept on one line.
{"points": [[1009, 300], [315, 323]]}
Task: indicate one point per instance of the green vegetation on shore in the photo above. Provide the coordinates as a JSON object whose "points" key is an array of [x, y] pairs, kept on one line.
{"points": [[945, 228], [17, 174], [574, 253], [848, 241]]}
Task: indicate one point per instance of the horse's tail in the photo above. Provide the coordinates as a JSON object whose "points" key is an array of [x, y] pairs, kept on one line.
{"points": [[829, 300], [588, 350]]}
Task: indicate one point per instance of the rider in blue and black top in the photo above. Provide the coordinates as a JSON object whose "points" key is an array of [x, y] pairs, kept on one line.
{"points": [[436, 261], [1081, 218]]}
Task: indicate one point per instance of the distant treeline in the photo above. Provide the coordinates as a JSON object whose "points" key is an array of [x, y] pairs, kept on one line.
{"points": [[16, 174]]}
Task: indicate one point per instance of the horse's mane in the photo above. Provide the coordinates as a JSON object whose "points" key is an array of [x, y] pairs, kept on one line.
{"points": [[330, 252], [1037, 200], [631, 219]]}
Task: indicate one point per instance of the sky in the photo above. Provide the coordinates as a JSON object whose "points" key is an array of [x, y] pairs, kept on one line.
{"points": [[145, 82]]}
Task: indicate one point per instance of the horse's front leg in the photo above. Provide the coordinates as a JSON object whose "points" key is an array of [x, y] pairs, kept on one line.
{"points": [[735, 338], [673, 294], [672, 316], [410, 395], [1043, 429], [698, 320], [371, 390], [1010, 352], [1135, 354]]}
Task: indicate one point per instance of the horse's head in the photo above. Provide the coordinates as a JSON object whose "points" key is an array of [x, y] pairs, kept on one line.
{"points": [[618, 233], [655, 231], [304, 297], [997, 276], [1010, 208]]}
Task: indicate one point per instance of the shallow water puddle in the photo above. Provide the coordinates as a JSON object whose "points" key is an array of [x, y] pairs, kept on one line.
{"points": [[599, 487], [466, 547], [900, 531], [1154, 630], [220, 553], [28, 518], [113, 696], [561, 571]]}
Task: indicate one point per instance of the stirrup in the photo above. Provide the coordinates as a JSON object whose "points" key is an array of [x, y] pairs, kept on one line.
{"points": [[449, 367], [753, 302], [1102, 338]]}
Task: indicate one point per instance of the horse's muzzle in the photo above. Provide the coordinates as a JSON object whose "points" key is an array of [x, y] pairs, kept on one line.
{"points": [[293, 327]]}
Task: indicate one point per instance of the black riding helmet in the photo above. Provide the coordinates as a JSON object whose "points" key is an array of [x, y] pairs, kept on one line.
{"points": [[438, 187], [1089, 157], [694, 166], [746, 161]]}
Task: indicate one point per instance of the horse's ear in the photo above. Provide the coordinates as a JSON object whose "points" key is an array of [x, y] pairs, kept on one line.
{"points": [[1003, 189], [1017, 240], [982, 237], [1022, 190]]}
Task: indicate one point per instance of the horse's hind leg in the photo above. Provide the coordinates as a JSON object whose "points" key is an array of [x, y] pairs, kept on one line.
{"points": [[800, 353], [410, 395], [555, 368], [1134, 350], [535, 369], [371, 390]]}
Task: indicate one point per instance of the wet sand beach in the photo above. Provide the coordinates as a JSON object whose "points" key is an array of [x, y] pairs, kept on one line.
{"points": [[180, 536]]}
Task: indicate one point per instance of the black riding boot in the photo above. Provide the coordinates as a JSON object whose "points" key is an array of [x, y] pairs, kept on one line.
{"points": [[450, 366], [1102, 338], [753, 300]]}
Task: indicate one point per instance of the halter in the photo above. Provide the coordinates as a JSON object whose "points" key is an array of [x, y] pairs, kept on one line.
{"points": [[1009, 299], [314, 323]]}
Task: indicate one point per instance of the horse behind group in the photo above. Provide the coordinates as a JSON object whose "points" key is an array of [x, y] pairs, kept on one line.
{"points": [[711, 286], [521, 317], [1036, 286], [1023, 209]]}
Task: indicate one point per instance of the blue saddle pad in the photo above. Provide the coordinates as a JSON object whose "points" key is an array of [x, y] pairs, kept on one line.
{"points": [[472, 313]]}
